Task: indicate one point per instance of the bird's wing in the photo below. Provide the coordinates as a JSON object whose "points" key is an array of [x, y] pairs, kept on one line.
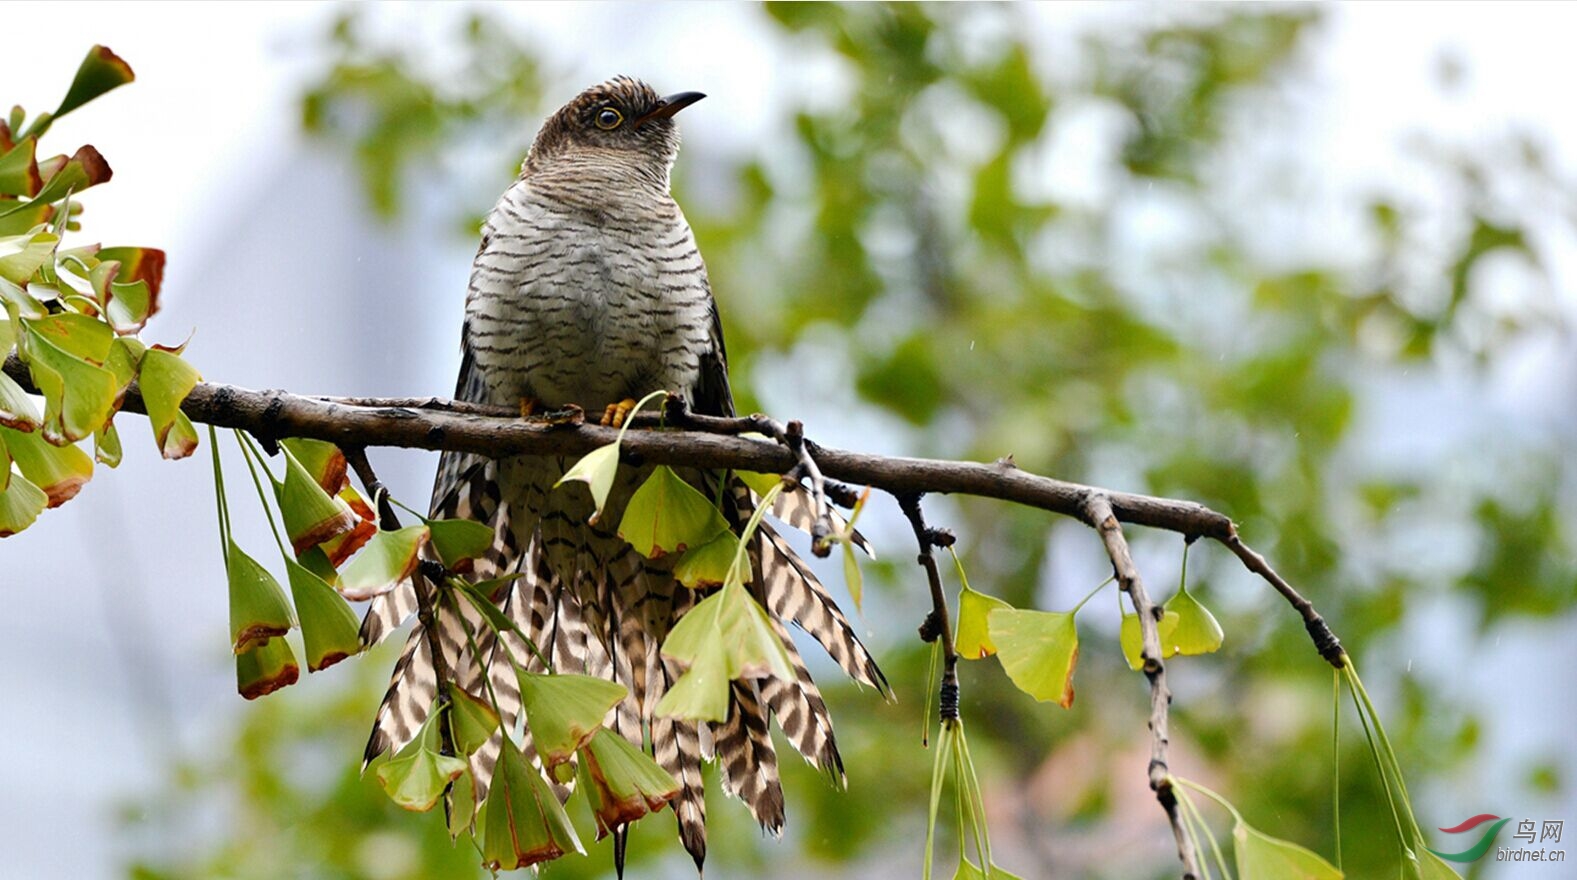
{"points": [[712, 395]]}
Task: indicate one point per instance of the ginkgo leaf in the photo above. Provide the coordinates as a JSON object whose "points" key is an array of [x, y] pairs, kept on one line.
{"points": [[106, 446], [1195, 631], [1038, 650], [596, 469], [972, 639], [459, 540], [259, 610], [338, 549], [22, 255], [124, 360], [20, 504], [471, 719], [1132, 641], [322, 459], [522, 821], [564, 711], [78, 335], [101, 70], [388, 559], [264, 668], [667, 515], [461, 806], [166, 379], [1432, 867], [622, 783], [312, 516], [16, 407], [416, 777], [968, 870], [761, 484], [1262, 857], [79, 396], [733, 619], [60, 471], [702, 692], [853, 580], [19, 169], [329, 628], [708, 564]]}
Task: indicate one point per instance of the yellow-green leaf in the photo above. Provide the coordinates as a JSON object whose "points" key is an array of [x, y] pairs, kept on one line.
{"points": [[20, 503], [58, 470], [77, 335], [667, 515], [459, 540], [471, 719], [264, 668], [564, 711], [312, 516], [1196, 630], [973, 636], [707, 565], [329, 627], [19, 169], [166, 379], [416, 777], [727, 636], [1261, 857], [22, 255], [702, 692], [101, 71], [79, 396], [461, 806], [596, 469], [1132, 639], [388, 559], [16, 407], [761, 484], [522, 821], [259, 610], [622, 783], [322, 459], [106, 446], [1038, 650]]}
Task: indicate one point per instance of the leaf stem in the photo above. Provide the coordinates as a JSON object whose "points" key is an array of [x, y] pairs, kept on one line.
{"points": [[246, 453]]}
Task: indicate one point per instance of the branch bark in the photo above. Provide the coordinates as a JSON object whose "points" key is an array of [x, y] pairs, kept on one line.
{"points": [[707, 441], [1099, 516]]}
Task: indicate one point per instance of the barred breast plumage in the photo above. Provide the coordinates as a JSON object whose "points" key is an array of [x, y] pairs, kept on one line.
{"points": [[588, 289]]}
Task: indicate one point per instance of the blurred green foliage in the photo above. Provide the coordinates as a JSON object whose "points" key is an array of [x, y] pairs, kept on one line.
{"points": [[900, 237]]}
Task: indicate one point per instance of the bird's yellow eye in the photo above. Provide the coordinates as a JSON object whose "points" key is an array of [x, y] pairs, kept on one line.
{"points": [[608, 119]]}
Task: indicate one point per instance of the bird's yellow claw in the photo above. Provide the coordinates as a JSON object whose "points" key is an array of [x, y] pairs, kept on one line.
{"points": [[616, 413]]}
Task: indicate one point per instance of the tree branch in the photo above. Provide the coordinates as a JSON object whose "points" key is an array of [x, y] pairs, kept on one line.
{"points": [[708, 441], [1098, 514]]}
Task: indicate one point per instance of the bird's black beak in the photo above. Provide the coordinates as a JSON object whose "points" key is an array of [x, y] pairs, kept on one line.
{"points": [[670, 105]]}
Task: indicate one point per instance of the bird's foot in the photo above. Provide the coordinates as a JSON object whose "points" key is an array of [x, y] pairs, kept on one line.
{"points": [[616, 413]]}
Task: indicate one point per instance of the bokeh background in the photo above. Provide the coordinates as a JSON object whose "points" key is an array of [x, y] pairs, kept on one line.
{"points": [[1312, 266]]}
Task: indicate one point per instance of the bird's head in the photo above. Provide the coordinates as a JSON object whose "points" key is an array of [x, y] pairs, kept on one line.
{"points": [[620, 124]]}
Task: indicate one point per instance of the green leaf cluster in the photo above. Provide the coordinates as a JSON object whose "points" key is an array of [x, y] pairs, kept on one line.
{"points": [[72, 314]]}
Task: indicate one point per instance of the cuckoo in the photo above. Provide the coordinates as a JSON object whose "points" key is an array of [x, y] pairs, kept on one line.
{"points": [[588, 290]]}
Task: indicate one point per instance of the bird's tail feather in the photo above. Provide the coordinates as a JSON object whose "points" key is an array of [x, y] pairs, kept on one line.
{"points": [[608, 618]]}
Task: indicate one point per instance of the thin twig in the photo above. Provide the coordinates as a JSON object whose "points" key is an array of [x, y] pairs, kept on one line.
{"points": [[389, 521], [938, 624], [1099, 515]]}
